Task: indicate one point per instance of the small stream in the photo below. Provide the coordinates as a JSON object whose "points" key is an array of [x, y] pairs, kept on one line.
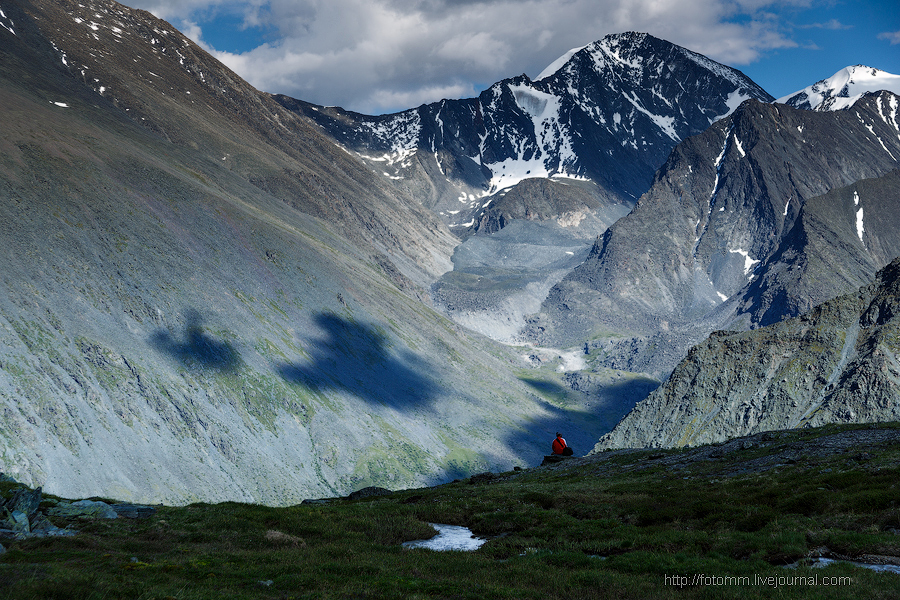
{"points": [[449, 537], [824, 562]]}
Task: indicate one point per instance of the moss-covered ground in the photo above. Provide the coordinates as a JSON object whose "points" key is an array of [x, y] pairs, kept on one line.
{"points": [[628, 525]]}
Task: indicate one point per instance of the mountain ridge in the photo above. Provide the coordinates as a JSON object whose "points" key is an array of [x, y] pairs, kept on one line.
{"points": [[712, 220], [843, 89], [836, 364], [552, 126]]}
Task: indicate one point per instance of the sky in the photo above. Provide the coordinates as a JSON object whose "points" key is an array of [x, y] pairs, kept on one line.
{"points": [[381, 56]]}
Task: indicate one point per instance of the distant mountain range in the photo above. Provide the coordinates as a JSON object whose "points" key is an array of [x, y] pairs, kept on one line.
{"points": [[609, 112], [210, 292], [706, 247]]}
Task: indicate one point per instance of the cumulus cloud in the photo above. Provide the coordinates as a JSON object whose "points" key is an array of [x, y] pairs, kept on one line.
{"points": [[381, 55]]}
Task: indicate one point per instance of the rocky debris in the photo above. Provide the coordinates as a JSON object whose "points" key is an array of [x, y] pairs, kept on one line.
{"points": [[21, 515], [94, 509]]}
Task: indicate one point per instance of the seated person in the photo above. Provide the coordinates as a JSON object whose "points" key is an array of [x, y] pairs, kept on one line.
{"points": [[559, 446]]}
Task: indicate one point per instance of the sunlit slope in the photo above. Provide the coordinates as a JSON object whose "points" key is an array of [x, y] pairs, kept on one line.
{"points": [[172, 331]]}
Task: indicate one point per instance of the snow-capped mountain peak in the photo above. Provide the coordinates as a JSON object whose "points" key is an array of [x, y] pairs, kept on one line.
{"points": [[609, 112], [843, 89]]}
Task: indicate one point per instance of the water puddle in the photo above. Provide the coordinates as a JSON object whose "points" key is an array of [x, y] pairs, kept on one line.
{"points": [[824, 562], [449, 537]]}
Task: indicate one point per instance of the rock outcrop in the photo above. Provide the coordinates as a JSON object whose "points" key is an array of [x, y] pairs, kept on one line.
{"points": [[24, 512]]}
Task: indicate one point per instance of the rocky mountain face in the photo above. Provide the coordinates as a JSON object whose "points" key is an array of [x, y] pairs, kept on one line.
{"points": [[837, 243], [562, 157], [720, 216], [837, 363], [203, 298], [609, 112]]}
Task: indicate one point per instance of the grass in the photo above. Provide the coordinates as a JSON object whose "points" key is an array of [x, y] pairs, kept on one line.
{"points": [[617, 528]]}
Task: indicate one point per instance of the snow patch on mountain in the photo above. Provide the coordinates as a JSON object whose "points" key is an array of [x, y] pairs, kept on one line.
{"points": [[843, 89], [860, 226], [400, 132], [749, 262], [735, 99], [558, 64], [6, 23]]}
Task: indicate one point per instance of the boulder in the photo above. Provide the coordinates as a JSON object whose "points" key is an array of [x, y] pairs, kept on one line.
{"points": [[134, 511], [24, 500], [18, 522], [369, 492], [94, 509]]}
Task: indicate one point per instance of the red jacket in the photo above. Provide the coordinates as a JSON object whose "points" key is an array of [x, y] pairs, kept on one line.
{"points": [[559, 444]]}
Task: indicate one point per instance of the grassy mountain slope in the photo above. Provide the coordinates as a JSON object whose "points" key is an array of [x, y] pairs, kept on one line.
{"points": [[713, 522], [178, 327]]}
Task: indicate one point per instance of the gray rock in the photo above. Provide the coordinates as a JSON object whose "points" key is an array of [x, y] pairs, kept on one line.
{"points": [[42, 527], [84, 508], [24, 500], [19, 522], [134, 511], [369, 492]]}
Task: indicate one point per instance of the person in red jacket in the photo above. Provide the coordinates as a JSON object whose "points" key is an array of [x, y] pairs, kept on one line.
{"points": [[560, 446]]}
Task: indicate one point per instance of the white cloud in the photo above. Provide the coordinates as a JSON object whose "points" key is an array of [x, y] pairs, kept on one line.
{"points": [[380, 55], [892, 36], [832, 24]]}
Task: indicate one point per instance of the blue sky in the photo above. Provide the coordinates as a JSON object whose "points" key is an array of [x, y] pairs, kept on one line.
{"points": [[377, 56]]}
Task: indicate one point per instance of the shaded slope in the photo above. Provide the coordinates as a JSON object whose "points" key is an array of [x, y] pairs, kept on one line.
{"points": [[837, 244]]}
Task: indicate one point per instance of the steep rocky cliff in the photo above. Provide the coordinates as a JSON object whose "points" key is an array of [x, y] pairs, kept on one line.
{"points": [[839, 363]]}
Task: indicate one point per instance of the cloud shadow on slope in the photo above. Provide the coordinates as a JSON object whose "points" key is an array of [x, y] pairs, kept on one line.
{"points": [[198, 349], [581, 429], [357, 358]]}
